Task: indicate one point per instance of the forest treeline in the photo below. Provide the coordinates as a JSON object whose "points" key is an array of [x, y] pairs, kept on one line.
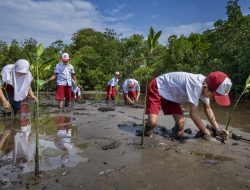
{"points": [[97, 55]]}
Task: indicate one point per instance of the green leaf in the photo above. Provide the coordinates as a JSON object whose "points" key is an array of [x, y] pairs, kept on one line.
{"points": [[32, 67], [248, 80], [150, 45], [151, 34], [156, 37], [247, 86], [246, 91], [39, 50], [48, 67], [40, 82]]}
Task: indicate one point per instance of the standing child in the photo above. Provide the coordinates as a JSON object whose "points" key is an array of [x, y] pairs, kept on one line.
{"points": [[131, 91], [64, 73], [111, 87], [169, 90]]}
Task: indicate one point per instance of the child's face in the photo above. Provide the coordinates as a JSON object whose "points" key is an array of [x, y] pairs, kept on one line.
{"points": [[207, 93], [20, 74], [65, 62]]}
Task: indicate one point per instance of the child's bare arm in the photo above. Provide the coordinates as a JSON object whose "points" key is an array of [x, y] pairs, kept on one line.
{"points": [[6, 103], [211, 118], [31, 93], [197, 120], [53, 77]]}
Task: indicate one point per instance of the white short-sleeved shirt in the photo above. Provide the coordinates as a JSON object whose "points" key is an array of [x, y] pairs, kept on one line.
{"points": [[64, 74], [125, 86], [113, 82], [182, 87]]}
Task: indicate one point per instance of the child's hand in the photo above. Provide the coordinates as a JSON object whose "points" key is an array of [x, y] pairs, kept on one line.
{"points": [[79, 86], [6, 104], [35, 98], [223, 133]]}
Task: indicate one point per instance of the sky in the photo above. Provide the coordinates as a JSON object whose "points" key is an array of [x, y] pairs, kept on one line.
{"points": [[51, 20]]}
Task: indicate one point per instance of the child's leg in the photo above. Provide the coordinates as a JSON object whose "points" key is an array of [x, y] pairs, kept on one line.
{"points": [[108, 93], [61, 104], [113, 93], [60, 91], [153, 104], [152, 120], [179, 120]]}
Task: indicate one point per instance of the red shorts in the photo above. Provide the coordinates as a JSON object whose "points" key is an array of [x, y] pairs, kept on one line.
{"points": [[63, 92], [112, 93], [155, 102], [24, 112], [131, 94], [63, 122]]}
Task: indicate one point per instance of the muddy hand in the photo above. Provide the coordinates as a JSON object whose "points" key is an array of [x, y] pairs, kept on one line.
{"points": [[6, 104], [223, 133]]}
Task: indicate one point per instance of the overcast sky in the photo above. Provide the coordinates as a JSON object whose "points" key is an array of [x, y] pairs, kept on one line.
{"points": [[51, 20]]}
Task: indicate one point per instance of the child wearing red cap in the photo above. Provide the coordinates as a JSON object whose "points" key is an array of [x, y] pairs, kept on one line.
{"points": [[169, 90], [131, 91], [64, 73]]}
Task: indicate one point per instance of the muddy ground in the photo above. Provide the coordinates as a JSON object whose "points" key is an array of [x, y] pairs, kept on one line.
{"points": [[115, 160]]}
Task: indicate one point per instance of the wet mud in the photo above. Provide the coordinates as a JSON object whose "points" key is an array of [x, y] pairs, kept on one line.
{"points": [[87, 148]]}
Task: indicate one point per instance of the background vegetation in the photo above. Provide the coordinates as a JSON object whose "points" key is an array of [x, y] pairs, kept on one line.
{"points": [[96, 55]]}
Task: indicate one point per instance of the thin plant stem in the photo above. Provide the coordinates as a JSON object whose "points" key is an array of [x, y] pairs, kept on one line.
{"points": [[233, 108], [37, 86], [37, 168], [143, 116]]}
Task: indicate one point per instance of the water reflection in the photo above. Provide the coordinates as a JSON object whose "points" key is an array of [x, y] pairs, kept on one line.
{"points": [[56, 145], [23, 145], [63, 139]]}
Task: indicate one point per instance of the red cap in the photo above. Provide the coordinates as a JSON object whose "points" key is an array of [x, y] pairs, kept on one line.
{"points": [[65, 57], [131, 83], [220, 83]]}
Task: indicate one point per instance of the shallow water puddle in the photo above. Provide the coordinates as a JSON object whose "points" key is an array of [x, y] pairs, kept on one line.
{"points": [[212, 158], [56, 146]]}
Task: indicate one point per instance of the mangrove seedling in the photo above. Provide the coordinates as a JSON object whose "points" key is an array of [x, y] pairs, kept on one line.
{"points": [[152, 41], [35, 69]]}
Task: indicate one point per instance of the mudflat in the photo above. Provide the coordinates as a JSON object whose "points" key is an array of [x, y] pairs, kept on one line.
{"points": [[111, 157]]}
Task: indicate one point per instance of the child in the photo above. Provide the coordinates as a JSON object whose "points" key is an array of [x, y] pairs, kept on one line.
{"points": [[171, 89], [64, 73], [17, 79], [131, 91], [111, 90]]}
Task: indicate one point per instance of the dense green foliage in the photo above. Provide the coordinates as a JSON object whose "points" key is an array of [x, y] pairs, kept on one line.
{"points": [[96, 56]]}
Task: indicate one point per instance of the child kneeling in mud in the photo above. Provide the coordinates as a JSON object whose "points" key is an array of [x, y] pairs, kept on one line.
{"points": [[169, 90]]}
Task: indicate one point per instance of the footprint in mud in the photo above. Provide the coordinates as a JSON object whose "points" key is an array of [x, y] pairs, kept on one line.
{"points": [[105, 109], [129, 126], [112, 145], [81, 102], [78, 113], [151, 144], [134, 117]]}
